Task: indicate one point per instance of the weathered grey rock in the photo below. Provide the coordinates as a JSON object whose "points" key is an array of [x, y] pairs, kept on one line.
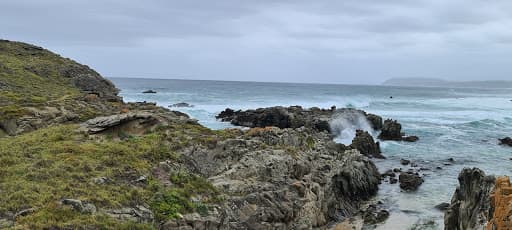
{"points": [[409, 181], [138, 214], [404, 162], [364, 142], [301, 188], [80, 206], [470, 207], [24, 212]]}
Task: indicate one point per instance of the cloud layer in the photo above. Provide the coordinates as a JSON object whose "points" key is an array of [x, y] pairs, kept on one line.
{"points": [[353, 41]]}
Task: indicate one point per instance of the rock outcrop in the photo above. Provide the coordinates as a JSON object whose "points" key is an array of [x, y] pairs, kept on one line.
{"points": [[364, 142], [501, 205], [292, 117], [506, 141], [409, 181], [392, 130], [470, 206], [302, 187]]}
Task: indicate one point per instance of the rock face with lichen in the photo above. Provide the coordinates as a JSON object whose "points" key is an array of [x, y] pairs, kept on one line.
{"points": [[309, 184], [470, 206]]}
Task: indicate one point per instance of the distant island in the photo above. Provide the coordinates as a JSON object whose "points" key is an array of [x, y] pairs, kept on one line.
{"points": [[434, 82]]}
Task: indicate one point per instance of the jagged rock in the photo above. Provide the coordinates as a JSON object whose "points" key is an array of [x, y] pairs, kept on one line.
{"points": [[470, 206], [506, 141], [364, 142], [409, 181], [292, 117], [501, 205], [391, 130], [149, 91], [181, 105], [373, 215], [327, 183], [80, 206]]}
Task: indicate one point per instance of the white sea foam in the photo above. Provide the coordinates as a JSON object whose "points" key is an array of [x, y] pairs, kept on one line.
{"points": [[345, 124]]}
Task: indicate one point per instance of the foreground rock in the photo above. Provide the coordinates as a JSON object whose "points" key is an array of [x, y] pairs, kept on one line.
{"points": [[470, 206], [299, 188], [295, 117], [392, 130], [506, 141]]}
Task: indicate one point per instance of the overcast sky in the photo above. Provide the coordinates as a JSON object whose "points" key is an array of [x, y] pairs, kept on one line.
{"points": [[351, 41]]}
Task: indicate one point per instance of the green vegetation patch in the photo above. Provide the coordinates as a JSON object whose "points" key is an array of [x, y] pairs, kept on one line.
{"points": [[40, 168]]}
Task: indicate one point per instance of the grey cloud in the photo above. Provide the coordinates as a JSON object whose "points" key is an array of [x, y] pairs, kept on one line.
{"points": [[353, 41]]}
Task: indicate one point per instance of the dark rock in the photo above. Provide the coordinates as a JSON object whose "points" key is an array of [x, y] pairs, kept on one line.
{"points": [[391, 130], [470, 206], [397, 170], [451, 159], [393, 180], [410, 138], [364, 142], [442, 206], [149, 91], [409, 181], [372, 215], [414, 165], [506, 141], [439, 168], [181, 105], [404, 161], [295, 117], [389, 173]]}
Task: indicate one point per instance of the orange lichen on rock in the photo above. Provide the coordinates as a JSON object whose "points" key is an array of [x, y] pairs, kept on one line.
{"points": [[258, 131], [501, 202]]}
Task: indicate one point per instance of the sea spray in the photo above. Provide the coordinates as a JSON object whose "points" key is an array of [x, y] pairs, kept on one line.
{"points": [[344, 125]]}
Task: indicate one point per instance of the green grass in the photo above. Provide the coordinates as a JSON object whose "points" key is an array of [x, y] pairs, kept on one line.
{"points": [[40, 168], [31, 77]]}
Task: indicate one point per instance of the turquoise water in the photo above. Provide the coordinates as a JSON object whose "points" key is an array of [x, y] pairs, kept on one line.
{"points": [[463, 124]]}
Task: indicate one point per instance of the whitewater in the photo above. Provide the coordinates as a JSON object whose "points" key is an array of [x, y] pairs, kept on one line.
{"points": [[459, 123]]}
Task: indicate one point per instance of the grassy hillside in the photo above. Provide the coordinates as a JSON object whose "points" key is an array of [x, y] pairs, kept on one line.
{"points": [[39, 169]]}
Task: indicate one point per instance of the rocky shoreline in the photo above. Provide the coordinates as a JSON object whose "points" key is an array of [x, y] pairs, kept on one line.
{"points": [[81, 156]]}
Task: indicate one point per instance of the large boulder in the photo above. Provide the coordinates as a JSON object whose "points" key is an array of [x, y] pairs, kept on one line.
{"points": [[470, 206], [364, 142], [392, 131], [409, 181]]}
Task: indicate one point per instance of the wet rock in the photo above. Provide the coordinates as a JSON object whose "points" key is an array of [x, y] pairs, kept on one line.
{"points": [[410, 138], [414, 165], [389, 173], [391, 130], [149, 91], [442, 206], [409, 181], [471, 203], [506, 141], [439, 168], [295, 117], [181, 105], [404, 162], [397, 170], [393, 180], [364, 142], [372, 215]]}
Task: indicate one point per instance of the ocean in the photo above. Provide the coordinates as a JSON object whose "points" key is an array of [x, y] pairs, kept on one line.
{"points": [[459, 123]]}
